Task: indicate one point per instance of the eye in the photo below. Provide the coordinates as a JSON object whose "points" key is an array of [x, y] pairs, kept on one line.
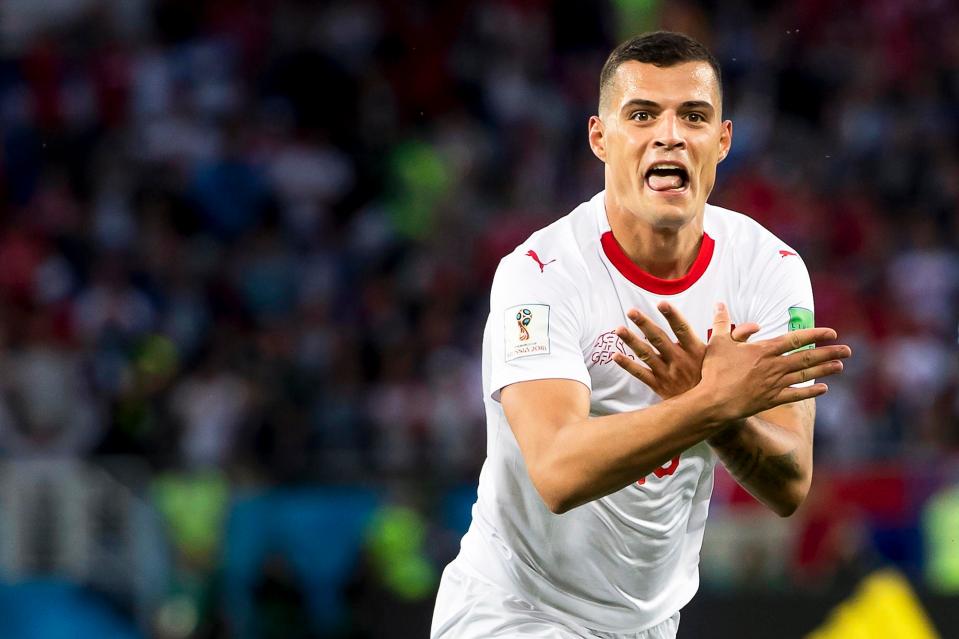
{"points": [[695, 117], [641, 116]]}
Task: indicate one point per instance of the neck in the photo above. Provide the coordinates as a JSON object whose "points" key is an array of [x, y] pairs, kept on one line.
{"points": [[666, 253]]}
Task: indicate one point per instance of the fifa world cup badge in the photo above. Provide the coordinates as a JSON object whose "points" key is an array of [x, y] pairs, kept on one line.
{"points": [[523, 318], [526, 330]]}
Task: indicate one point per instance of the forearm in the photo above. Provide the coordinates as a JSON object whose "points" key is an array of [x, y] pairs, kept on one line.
{"points": [[590, 458], [772, 462], [572, 459]]}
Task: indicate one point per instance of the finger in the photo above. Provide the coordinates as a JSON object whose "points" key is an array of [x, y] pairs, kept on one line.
{"points": [[684, 333], [635, 369], [646, 353], [789, 395], [822, 370], [797, 339], [743, 332], [813, 356], [720, 320], [656, 336]]}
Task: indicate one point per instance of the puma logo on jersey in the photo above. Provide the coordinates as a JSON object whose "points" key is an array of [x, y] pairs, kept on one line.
{"points": [[536, 259], [784, 253]]}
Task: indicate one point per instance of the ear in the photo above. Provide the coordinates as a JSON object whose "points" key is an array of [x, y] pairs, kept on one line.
{"points": [[597, 137], [725, 139]]}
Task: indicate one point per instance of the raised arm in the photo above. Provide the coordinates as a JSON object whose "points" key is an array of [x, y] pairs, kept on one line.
{"points": [[573, 459]]}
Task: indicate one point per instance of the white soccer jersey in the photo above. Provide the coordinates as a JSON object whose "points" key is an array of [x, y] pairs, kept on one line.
{"points": [[629, 560]]}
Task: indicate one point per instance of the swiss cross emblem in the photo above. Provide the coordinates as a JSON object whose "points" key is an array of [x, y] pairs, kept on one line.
{"points": [[604, 347]]}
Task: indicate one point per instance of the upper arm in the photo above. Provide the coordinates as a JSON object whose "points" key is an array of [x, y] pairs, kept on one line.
{"points": [[537, 409], [782, 301], [780, 298], [535, 328]]}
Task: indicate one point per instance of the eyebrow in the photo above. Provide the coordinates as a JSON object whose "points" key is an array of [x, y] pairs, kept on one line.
{"points": [[649, 104]]}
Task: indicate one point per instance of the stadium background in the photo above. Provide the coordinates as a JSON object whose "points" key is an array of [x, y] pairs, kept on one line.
{"points": [[245, 251]]}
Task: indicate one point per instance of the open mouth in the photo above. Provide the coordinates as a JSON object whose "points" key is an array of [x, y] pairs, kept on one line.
{"points": [[666, 176]]}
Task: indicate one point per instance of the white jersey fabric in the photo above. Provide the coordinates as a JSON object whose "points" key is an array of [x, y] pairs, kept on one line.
{"points": [[629, 560]]}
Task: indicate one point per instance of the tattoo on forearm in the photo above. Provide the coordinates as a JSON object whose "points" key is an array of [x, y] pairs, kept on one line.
{"points": [[748, 464]]}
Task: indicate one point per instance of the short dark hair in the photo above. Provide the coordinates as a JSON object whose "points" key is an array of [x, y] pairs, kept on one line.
{"points": [[660, 48]]}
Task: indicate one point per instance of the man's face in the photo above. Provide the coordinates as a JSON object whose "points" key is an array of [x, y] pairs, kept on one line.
{"points": [[661, 136]]}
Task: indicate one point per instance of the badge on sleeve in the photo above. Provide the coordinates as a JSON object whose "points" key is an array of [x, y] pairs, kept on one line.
{"points": [[800, 318], [526, 330]]}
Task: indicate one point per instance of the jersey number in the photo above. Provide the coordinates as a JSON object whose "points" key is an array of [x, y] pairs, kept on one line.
{"points": [[668, 469], [664, 470]]}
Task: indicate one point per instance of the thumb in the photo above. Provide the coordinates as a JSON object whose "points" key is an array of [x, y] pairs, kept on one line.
{"points": [[720, 320]]}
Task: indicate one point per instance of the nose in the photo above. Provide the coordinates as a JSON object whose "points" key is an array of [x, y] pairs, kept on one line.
{"points": [[668, 134]]}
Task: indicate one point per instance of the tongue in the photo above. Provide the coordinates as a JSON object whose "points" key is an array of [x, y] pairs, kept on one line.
{"points": [[664, 182]]}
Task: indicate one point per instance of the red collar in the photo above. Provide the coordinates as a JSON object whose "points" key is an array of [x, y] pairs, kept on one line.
{"points": [[651, 283]]}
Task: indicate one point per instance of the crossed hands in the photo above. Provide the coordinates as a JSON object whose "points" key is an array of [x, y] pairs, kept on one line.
{"points": [[741, 378]]}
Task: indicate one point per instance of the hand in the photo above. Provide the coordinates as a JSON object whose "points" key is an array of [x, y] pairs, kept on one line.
{"points": [[671, 368], [743, 379]]}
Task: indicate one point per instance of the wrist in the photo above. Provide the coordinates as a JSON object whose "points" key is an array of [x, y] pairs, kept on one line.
{"points": [[709, 409]]}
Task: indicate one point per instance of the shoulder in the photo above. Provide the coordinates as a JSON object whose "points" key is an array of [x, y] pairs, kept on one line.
{"points": [[755, 250], [739, 230], [770, 275], [554, 256]]}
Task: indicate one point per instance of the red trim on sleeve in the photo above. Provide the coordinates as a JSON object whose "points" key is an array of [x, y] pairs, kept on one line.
{"points": [[649, 282]]}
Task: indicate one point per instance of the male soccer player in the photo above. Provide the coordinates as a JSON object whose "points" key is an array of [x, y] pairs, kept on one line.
{"points": [[601, 443]]}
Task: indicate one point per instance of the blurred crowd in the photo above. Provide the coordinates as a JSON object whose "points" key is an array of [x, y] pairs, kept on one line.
{"points": [[256, 237], [247, 231]]}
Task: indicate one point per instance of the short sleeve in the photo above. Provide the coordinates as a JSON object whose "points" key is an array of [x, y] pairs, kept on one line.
{"points": [[535, 327], [782, 299]]}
